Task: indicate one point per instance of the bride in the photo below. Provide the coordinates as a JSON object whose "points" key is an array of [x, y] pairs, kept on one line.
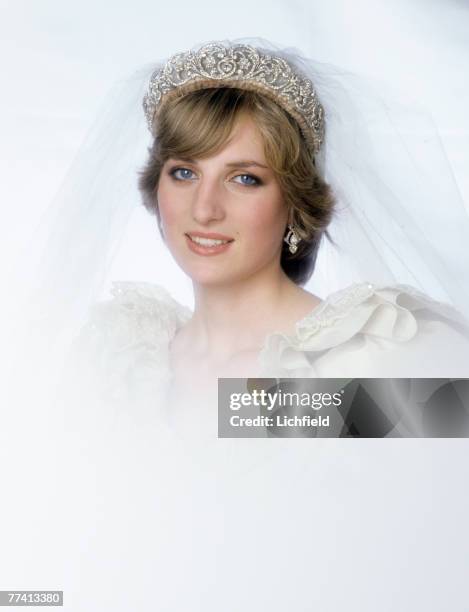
{"points": [[304, 261], [179, 520], [233, 176]]}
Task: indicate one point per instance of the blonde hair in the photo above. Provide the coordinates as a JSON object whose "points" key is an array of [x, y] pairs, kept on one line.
{"points": [[199, 123]]}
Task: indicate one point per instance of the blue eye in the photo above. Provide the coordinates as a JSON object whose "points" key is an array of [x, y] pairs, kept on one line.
{"points": [[184, 174], [251, 181]]}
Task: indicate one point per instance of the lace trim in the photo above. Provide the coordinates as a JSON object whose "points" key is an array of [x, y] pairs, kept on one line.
{"points": [[335, 307], [338, 305], [151, 308]]}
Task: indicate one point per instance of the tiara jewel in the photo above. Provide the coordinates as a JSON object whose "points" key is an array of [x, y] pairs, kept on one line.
{"points": [[243, 66]]}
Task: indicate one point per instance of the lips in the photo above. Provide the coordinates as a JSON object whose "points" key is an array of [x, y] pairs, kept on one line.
{"points": [[208, 250]]}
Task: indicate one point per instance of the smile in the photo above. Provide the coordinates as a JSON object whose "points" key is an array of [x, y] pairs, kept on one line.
{"points": [[207, 246]]}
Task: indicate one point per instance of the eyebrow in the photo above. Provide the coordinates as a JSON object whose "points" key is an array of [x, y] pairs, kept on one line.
{"points": [[245, 164], [238, 164]]}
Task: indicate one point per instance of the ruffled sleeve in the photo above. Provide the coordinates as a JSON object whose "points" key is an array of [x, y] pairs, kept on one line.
{"points": [[121, 356], [366, 332]]}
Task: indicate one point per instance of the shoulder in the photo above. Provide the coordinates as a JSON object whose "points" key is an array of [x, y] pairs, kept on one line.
{"points": [[136, 309], [127, 336], [376, 331]]}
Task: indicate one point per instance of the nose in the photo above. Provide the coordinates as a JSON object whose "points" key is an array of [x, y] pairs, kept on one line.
{"points": [[208, 201]]}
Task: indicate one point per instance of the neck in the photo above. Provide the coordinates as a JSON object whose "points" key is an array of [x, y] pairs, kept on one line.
{"points": [[237, 317]]}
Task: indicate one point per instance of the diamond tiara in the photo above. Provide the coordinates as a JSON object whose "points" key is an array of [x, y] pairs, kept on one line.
{"points": [[242, 66]]}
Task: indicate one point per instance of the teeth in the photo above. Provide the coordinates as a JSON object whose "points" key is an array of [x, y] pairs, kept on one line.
{"points": [[207, 241]]}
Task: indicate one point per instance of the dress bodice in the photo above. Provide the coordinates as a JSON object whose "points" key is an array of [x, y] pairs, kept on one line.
{"points": [[362, 331]]}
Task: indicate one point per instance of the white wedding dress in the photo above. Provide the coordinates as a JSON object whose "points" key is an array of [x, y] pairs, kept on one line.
{"points": [[362, 331], [119, 366]]}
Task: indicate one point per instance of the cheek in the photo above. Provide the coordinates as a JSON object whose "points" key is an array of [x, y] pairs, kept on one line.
{"points": [[169, 214], [266, 222]]}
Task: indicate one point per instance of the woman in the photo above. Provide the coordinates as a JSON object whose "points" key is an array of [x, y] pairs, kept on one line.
{"points": [[335, 266], [262, 522], [233, 179]]}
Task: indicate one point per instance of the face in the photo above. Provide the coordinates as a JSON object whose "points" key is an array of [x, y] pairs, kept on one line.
{"points": [[233, 196]]}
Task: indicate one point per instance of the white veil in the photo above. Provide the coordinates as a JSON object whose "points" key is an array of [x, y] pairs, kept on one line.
{"points": [[400, 217]]}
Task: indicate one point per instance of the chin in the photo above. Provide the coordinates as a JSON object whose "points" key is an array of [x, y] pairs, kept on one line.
{"points": [[213, 275], [209, 277]]}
